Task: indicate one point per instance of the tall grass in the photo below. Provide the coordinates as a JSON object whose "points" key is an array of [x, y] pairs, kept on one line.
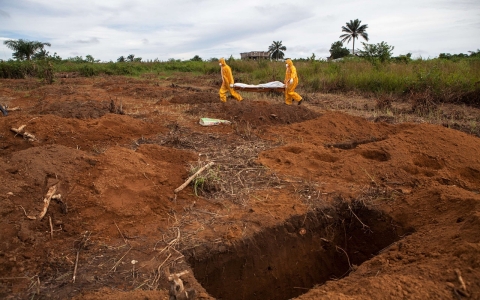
{"points": [[441, 79]]}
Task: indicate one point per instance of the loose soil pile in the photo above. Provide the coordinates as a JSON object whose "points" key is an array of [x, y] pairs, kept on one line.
{"points": [[301, 201]]}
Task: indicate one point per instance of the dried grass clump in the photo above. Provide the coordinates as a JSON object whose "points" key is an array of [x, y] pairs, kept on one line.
{"points": [[423, 103]]}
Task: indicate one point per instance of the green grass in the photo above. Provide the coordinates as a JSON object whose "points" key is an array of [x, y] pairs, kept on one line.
{"points": [[442, 79]]}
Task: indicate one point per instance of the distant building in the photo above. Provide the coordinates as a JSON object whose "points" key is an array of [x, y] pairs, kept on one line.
{"points": [[255, 55]]}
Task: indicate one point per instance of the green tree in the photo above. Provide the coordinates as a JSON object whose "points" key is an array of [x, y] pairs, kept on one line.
{"points": [[474, 53], [89, 58], [276, 50], [56, 57], [196, 58], [121, 59], [353, 31], [403, 58], [42, 54], [338, 51], [24, 49], [76, 59], [131, 57], [381, 51]]}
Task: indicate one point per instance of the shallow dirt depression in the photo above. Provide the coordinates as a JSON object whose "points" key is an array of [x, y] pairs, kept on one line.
{"points": [[288, 260]]}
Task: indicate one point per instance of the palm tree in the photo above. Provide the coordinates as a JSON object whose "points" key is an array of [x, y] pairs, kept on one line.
{"points": [[353, 30], [25, 49], [276, 50]]}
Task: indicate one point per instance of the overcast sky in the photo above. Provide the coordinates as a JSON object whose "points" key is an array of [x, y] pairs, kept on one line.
{"points": [[181, 29]]}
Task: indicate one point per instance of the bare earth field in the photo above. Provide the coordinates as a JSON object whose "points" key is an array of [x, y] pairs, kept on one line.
{"points": [[331, 199]]}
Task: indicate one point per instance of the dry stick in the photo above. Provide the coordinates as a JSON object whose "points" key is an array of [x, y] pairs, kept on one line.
{"points": [[350, 208], [172, 242], [460, 279], [345, 255], [193, 177], [371, 178], [25, 134], [114, 268], [33, 284], [30, 217], [82, 243], [155, 279], [51, 227], [75, 268], [124, 239], [46, 201]]}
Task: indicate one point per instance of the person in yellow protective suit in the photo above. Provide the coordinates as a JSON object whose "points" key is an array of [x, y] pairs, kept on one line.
{"points": [[227, 82], [291, 82]]}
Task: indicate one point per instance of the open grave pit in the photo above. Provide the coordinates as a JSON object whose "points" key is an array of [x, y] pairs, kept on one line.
{"points": [[286, 261]]}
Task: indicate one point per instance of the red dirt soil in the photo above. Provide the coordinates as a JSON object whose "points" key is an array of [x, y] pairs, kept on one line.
{"points": [[309, 202]]}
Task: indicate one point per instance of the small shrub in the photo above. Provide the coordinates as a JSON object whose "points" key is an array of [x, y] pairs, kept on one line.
{"points": [[205, 182]]}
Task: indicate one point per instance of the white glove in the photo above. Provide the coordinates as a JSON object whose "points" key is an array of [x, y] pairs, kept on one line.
{"points": [[231, 85], [291, 80]]}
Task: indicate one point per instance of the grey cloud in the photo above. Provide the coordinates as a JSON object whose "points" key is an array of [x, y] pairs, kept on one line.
{"points": [[4, 14], [287, 14], [235, 31], [216, 28], [460, 4], [92, 40]]}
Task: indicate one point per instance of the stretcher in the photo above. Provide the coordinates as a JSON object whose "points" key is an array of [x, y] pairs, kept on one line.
{"points": [[263, 87]]}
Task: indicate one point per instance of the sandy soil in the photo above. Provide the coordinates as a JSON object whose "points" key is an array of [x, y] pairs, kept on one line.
{"points": [[323, 200]]}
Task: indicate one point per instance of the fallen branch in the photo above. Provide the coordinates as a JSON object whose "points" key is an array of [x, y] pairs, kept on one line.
{"points": [[46, 200], [193, 177], [25, 134]]}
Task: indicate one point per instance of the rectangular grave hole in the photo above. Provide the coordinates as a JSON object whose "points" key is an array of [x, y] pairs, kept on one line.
{"points": [[286, 261]]}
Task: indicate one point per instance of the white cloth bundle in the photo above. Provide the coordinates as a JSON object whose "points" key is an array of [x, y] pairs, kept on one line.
{"points": [[273, 84]]}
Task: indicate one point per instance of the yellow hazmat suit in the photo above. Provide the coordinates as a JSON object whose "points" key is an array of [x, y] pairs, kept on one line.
{"points": [[227, 82], [291, 82]]}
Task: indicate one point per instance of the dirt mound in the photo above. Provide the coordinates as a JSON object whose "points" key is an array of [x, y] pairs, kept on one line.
{"points": [[258, 113], [75, 109], [296, 196], [195, 97]]}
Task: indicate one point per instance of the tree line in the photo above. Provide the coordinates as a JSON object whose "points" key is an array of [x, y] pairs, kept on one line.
{"points": [[353, 30]]}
